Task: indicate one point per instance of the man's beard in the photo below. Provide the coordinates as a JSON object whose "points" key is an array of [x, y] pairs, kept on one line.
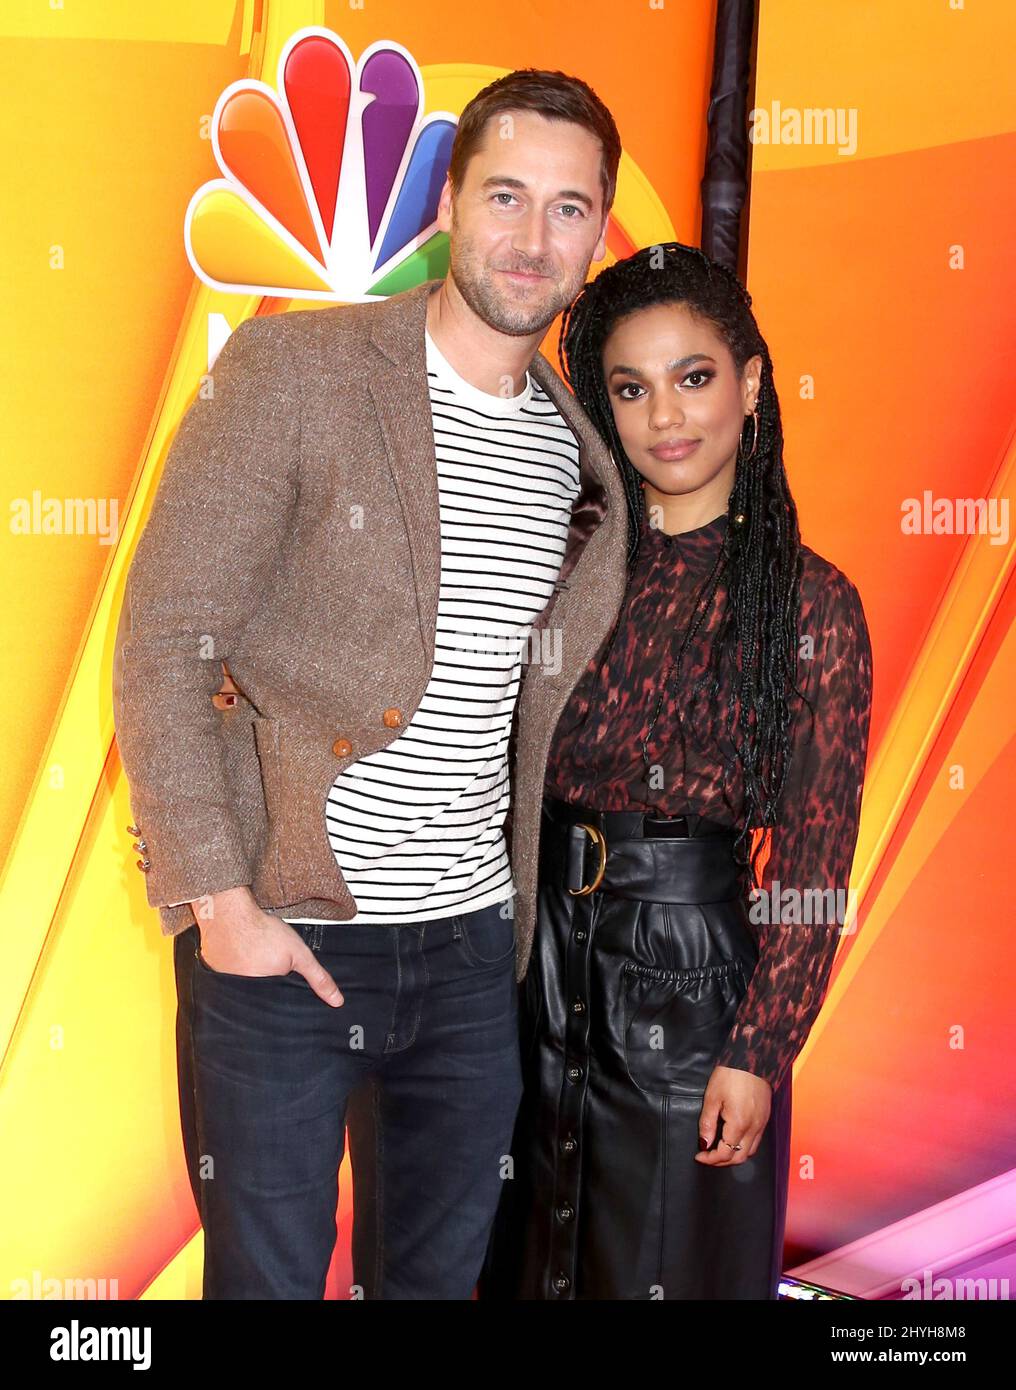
{"points": [[476, 283]]}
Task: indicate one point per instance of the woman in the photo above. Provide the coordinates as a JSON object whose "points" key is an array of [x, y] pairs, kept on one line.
{"points": [[665, 1002]]}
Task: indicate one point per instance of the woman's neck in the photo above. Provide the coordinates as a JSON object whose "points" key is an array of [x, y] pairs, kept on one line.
{"points": [[675, 514]]}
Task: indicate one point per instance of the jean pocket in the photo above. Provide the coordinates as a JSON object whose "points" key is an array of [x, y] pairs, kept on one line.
{"points": [[486, 938], [676, 1022], [205, 969]]}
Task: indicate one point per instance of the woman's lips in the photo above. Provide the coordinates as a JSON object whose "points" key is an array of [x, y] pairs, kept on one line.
{"points": [[676, 449]]}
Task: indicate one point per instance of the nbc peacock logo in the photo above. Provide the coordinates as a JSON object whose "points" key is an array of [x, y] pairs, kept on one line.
{"points": [[331, 181]]}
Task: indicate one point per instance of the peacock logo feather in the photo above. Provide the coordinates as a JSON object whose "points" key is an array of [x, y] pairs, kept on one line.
{"points": [[331, 182]]}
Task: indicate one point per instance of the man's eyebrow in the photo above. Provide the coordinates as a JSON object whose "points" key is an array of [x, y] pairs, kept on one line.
{"points": [[574, 195], [672, 366]]}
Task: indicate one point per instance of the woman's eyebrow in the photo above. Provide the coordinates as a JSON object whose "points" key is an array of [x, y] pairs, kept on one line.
{"points": [[671, 366]]}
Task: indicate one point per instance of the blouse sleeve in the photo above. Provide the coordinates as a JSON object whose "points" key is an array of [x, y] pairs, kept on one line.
{"points": [[813, 844]]}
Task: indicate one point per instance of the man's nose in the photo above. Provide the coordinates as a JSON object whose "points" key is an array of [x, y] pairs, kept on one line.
{"points": [[530, 238]]}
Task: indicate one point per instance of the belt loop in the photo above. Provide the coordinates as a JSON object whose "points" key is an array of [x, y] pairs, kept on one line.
{"points": [[578, 833], [575, 856]]}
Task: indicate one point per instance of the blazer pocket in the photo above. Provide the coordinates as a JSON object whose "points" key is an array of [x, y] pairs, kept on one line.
{"points": [[675, 1023], [269, 886]]}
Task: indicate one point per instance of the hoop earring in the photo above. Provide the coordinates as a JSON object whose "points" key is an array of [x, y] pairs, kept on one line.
{"points": [[754, 438]]}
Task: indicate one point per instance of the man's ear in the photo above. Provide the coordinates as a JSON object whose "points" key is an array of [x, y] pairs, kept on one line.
{"points": [[444, 206], [600, 250]]}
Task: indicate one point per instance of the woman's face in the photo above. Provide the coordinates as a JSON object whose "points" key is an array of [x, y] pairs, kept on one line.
{"points": [[678, 400]]}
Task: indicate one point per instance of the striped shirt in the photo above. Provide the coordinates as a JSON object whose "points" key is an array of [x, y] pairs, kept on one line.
{"points": [[417, 827]]}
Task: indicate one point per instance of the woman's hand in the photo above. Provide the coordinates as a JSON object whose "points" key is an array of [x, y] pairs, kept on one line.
{"points": [[741, 1101]]}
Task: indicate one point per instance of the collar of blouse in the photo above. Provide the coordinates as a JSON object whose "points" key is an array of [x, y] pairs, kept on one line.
{"points": [[698, 543]]}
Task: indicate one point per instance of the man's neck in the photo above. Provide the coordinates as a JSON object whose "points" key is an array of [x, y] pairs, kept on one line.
{"points": [[480, 354]]}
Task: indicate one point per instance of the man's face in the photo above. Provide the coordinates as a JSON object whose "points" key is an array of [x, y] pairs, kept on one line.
{"points": [[526, 222]]}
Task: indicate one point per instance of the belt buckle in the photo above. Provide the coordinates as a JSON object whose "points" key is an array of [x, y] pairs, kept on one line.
{"points": [[597, 837]]}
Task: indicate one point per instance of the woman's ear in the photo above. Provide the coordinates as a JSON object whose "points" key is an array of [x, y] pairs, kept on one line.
{"points": [[751, 381]]}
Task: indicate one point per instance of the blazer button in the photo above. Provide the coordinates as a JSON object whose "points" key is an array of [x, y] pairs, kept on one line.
{"points": [[342, 748], [392, 718], [144, 865], [135, 830]]}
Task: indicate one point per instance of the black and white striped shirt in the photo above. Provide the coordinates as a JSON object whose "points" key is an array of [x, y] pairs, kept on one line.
{"points": [[417, 826]]}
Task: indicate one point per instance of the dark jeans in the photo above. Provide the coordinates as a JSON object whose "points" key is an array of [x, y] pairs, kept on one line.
{"points": [[424, 1050]]}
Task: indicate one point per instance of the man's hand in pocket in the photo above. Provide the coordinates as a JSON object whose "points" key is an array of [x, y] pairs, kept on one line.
{"points": [[237, 938]]}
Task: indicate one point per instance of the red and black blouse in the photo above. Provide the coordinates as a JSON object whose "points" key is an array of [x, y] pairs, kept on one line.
{"points": [[596, 761]]}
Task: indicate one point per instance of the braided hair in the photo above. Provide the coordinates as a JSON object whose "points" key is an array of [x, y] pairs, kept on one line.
{"points": [[757, 635]]}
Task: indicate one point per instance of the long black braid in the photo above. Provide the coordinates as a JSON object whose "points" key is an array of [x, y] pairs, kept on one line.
{"points": [[757, 635]]}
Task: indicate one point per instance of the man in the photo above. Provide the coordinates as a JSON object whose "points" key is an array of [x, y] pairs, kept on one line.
{"points": [[365, 521]]}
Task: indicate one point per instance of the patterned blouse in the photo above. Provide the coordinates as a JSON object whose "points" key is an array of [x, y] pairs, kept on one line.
{"points": [[596, 761]]}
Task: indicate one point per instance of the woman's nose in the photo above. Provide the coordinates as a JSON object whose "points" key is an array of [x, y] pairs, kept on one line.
{"points": [[665, 414]]}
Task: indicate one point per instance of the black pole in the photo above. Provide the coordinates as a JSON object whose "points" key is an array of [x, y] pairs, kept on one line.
{"points": [[725, 178]]}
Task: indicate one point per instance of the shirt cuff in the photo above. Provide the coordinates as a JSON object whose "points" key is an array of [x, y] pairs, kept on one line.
{"points": [[752, 1049]]}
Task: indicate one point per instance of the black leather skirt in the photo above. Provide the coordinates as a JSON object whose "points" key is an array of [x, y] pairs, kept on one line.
{"points": [[631, 991]]}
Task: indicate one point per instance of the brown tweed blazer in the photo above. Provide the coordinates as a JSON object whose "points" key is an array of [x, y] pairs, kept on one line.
{"points": [[295, 536]]}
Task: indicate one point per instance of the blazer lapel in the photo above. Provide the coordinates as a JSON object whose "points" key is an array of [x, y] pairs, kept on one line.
{"points": [[600, 488], [401, 396]]}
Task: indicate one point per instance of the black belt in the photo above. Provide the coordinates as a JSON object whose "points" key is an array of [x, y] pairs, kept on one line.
{"points": [[620, 852]]}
